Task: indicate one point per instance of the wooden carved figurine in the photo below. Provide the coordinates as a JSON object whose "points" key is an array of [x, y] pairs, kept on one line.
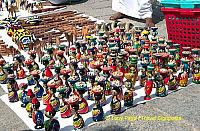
{"points": [[47, 72], [3, 75], [23, 95], [38, 89], [101, 81], [57, 78], [29, 65], [32, 54], [65, 108], [115, 103], [97, 111], [161, 90], [61, 58], [52, 124], [54, 101], [91, 78], [148, 87], [51, 56], [173, 81], [30, 96], [81, 88], [78, 121], [12, 88], [65, 72], [47, 95], [182, 77], [196, 74], [37, 115], [128, 95]]}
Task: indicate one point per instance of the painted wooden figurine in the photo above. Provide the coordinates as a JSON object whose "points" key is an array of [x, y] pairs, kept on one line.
{"points": [[52, 124], [58, 81], [46, 95], [97, 111], [161, 90], [91, 78], [128, 95], [65, 108], [3, 75], [17, 66], [196, 74], [32, 54], [78, 121], [101, 81], [65, 72], [182, 77], [29, 66], [23, 95], [143, 77], [61, 58], [50, 56], [38, 89], [148, 87], [115, 103], [37, 115], [186, 65], [12, 88], [47, 72], [173, 81], [81, 88], [54, 101], [30, 96]]}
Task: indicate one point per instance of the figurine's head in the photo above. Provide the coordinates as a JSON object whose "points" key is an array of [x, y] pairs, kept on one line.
{"points": [[35, 104], [45, 59], [23, 86], [29, 63], [57, 66], [50, 111], [32, 54], [72, 51], [11, 78], [52, 87], [128, 84], [36, 74]]}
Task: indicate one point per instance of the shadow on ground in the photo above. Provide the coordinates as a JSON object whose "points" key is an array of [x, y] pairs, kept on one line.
{"points": [[72, 2]]}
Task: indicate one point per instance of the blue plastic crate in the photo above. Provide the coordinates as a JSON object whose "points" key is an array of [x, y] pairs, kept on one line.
{"points": [[181, 3]]}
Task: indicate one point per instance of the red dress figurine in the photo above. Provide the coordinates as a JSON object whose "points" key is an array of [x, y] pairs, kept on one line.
{"points": [[148, 88]]}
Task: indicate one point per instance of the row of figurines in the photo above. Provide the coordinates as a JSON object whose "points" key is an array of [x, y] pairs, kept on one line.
{"points": [[82, 65], [160, 61], [147, 83], [28, 98]]}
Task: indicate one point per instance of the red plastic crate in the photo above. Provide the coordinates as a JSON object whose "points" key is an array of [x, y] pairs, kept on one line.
{"points": [[183, 26]]}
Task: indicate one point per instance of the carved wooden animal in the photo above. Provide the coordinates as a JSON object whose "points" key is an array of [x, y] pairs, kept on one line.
{"points": [[23, 4], [29, 7], [17, 2], [85, 31], [12, 11], [39, 6], [69, 37], [58, 40]]}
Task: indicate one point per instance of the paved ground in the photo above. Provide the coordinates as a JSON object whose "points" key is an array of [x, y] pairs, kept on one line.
{"points": [[184, 103]]}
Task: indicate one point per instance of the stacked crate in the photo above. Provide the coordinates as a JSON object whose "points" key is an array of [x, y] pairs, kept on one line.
{"points": [[183, 21]]}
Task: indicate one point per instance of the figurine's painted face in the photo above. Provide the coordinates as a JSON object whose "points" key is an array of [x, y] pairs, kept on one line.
{"points": [[50, 114], [128, 84], [35, 106]]}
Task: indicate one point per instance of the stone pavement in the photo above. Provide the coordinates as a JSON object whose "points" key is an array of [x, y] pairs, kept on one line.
{"points": [[184, 103]]}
